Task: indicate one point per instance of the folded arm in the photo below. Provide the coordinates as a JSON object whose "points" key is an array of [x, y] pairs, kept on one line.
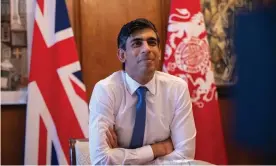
{"points": [[102, 151], [183, 131]]}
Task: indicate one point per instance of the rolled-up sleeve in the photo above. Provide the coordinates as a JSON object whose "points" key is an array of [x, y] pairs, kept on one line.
{"points": [[101, 108]]}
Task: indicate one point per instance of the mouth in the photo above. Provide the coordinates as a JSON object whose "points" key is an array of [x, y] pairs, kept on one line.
{"points": [[146, 60]]}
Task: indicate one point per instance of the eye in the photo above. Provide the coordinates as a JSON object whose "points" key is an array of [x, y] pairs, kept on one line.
{"points": [[136, 43], [152, 42]]}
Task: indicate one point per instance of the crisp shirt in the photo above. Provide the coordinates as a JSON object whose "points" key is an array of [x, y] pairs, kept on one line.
{"points": [[168, 114]]}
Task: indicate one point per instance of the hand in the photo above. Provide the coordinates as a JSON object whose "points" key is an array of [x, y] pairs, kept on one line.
{"points": [[168, 146], [162, 148], [111, 138]]}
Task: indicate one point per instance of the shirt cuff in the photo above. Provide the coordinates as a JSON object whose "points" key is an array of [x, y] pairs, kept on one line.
{"points": [[146, 153]]}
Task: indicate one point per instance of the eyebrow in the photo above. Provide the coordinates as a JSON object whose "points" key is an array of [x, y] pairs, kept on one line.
{"points": [[141, 39]]}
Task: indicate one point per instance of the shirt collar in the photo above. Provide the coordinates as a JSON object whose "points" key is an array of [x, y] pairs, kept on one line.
{"points": [[132, 85]]}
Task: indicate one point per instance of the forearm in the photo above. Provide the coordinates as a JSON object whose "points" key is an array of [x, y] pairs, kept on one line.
{"points": [[167, 158], [183, 131], [157, 150], [141, 155], [106, 155], [101, 153], [175, 155], [162, 148], [123, 156], [182, 152]]}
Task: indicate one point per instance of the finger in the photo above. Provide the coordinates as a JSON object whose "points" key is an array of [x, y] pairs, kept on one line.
{"points": [[111, 139], [114, 135], [108, 143]]}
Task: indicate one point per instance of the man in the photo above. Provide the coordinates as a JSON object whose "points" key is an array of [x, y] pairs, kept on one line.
{"points": [[140, 115]]}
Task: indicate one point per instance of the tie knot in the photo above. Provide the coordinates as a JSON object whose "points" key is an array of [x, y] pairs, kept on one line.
{"points": [[141, 91]]}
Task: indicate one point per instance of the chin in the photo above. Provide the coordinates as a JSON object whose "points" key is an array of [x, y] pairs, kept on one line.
{"points": [[149, 70]]}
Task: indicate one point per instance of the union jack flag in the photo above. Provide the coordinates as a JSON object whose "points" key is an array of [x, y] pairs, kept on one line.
{"points": [[57, 108]]}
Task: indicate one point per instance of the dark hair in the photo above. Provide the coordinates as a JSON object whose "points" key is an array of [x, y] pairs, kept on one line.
{"points": [[131, 27]]}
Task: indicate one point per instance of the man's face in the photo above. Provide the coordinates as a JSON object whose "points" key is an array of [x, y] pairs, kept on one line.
{"points": [[142, 52]]}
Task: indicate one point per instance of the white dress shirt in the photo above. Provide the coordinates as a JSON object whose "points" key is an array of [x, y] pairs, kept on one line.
{"points": [[168, 114]]}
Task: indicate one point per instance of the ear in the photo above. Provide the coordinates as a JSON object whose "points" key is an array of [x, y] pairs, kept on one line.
{"points": [[121, 54]]}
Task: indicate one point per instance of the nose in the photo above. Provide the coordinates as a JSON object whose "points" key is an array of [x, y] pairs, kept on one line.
{"points": [[145, 47]]}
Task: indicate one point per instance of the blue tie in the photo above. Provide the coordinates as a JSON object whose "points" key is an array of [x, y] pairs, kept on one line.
{"points": [[139, 126]]}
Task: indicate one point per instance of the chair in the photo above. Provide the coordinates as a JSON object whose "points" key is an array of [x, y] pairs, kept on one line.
{"points": [[79, 152]]}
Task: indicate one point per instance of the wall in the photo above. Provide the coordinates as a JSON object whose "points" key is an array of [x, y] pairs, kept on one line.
{"points": [[96, 24], [99, 25], [12, 134]]}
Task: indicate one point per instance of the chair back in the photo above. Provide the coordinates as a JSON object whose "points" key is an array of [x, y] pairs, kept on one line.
{"points": [[79, 152]]}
